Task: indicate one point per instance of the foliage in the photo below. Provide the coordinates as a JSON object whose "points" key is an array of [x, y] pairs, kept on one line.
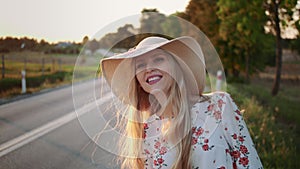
{"points": [[242, 32], [170, 26], [275, 141], [280, 17], [287, 11], [203, 14], [151, 21], [11, 44], [113, 39]]}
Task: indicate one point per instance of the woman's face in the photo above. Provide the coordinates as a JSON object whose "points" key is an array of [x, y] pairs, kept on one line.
{"points": [[154, 71]]}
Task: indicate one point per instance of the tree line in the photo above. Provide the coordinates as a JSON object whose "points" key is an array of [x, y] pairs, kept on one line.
{"points": [[9, 44]]}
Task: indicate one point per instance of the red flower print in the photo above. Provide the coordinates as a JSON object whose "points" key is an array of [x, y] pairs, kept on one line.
{"points": [[220, 102], [210, 107], [155, 162], [147, 151], [160, 160], [163, 150], [236, 154], [157, 145], [238, 112], [244, 161], [217, 115], [243, 149], [234, 166], [146, 126], [205, 140], [241, 139], [205, 147], [237, 118], [234, 136], [222, 167], [194, 140], [199, 131], [193, 129]]}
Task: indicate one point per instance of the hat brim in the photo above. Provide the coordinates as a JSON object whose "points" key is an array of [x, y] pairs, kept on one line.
{"points": [[119, 71]]}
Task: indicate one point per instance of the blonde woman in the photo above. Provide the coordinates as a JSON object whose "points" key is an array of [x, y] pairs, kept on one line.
{"points": [[170, 122]]}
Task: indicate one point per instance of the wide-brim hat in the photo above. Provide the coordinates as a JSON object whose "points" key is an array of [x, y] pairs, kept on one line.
{"points": [[119, 72]]}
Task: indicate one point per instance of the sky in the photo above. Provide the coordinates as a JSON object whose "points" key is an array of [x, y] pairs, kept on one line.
{"points": [[71, 20]]}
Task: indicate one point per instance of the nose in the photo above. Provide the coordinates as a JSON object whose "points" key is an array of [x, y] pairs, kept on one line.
{"points": [[150, 67]]}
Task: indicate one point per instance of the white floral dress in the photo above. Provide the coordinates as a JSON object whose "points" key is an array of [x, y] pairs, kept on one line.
{"points": [[220, 138]]}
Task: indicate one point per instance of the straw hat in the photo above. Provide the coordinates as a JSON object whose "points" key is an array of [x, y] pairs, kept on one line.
{"points": [[119, 72]]}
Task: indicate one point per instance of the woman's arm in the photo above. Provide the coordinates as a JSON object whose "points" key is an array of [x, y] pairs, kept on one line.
{"points": [[242, 149]]}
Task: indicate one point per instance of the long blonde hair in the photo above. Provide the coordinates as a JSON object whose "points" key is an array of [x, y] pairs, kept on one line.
{"points": [[131, 145]]}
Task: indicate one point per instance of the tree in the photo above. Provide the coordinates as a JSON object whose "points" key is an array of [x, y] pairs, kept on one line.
{"points": [[280, 13], [171, 26], [92, 45], [120, 38], [242, 31], [85, 40], [151, 21], [203, 14]]}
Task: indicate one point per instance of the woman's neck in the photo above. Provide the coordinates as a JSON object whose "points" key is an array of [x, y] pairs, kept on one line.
{"points": [[166, 112]]}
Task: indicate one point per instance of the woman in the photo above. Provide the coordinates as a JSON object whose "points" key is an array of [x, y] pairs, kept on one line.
{"points": [[170, 122]]}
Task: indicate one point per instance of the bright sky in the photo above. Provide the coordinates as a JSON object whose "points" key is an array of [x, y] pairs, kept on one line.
{"points": [[71, 20]]}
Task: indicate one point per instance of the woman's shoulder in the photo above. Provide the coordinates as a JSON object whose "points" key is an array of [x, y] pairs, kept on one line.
{"points": [[214, 98], [212, 105], [219, 94], [207, 113]]}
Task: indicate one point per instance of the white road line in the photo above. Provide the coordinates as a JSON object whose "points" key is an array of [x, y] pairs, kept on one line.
{"points": [[32, 135]]}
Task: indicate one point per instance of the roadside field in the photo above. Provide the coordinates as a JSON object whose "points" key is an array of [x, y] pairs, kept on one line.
{"points": [[42, 71]]}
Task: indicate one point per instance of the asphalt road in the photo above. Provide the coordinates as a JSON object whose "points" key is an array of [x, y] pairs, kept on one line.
{"points": [[60, 139]]}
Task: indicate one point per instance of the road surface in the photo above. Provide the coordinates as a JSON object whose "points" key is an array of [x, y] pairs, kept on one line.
{"points": [[45, 131]]}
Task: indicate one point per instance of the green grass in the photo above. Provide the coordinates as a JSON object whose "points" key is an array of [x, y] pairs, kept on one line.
{"points": [[274, 130], [285, 105]]}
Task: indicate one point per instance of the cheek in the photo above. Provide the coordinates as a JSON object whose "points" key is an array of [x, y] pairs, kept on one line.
{"points": [[167, 71], [139, 77]]}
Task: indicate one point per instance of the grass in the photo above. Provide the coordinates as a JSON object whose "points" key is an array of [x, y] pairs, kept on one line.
{"points": [[272, 122], [11, 86], [38, 76], [58, 70]]}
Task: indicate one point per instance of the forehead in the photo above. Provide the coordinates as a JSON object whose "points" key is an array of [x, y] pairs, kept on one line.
{"points": [[151, 54]]}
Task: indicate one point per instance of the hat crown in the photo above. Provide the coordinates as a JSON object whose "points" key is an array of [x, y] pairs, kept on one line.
{"points": [[151, 41]]}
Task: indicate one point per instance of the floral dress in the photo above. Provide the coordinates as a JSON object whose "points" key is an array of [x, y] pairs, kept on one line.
{"points": [[220, 138]]}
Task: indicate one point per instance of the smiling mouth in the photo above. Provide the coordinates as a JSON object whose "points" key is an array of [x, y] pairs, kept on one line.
{"points": [[153, 79]]}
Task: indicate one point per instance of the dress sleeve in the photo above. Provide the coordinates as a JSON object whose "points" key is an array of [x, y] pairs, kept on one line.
{"points": [[241, 147]]}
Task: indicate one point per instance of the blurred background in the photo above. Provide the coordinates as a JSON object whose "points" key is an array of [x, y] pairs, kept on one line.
{"points": [[258, 42]]}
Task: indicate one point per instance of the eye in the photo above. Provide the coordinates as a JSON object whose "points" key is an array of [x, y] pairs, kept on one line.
{"points": [[140, 65], [159, 59]]}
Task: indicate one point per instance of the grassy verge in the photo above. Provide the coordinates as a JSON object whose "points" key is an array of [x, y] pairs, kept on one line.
{"points": [[272, 122], [11, 87]]}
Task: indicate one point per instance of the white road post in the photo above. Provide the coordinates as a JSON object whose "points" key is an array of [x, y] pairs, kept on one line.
{"points": [[219, 80], [23, 81]]}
